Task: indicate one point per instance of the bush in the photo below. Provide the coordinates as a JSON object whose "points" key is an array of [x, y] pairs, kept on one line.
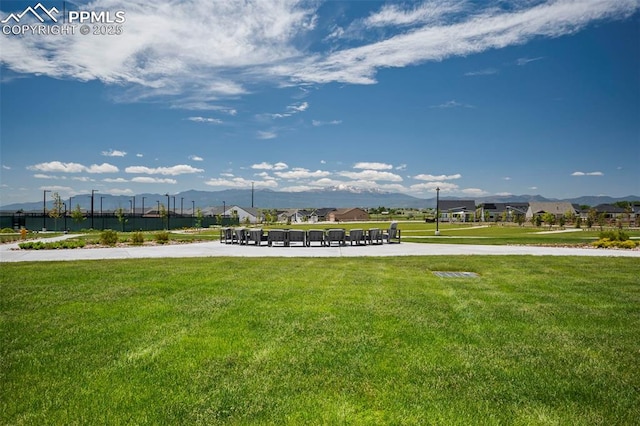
{"points": [[137, 238], [109, 237], [162, 237], [614, 235], [7, 231], [607, 243], [54, 245]]}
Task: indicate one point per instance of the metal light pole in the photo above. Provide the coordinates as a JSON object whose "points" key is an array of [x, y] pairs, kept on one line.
{"points": [[224, 211], [101, 215], [438, 211], [168, 209], [181, 205], [65, 216], [93, 191], [44, 210]]}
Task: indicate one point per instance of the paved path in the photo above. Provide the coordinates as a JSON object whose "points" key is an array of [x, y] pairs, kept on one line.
{"points": [[8, 252]]}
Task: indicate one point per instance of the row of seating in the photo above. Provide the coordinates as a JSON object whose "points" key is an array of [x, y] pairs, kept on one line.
{"points": [[322, 237]]}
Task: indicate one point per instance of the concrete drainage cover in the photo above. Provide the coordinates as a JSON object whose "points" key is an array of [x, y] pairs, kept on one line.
{"points": [[451, 274]]}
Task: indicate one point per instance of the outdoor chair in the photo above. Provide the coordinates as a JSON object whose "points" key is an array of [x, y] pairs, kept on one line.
{"points": [[239, 235], [375, 236], [226, 235], [297, 236], [357, 236], [315, 235], [393, 233], [277, 236], [255, 236], [336, 236]]}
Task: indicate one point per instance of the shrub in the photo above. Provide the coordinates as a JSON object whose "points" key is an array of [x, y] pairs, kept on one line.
{"points": [[54, 245], [137, 238], [109, 237], [7, 231], [607, 243], [614, 235], [162, 237]]}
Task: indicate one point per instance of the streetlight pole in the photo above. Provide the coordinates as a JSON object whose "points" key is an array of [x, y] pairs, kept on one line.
{"points": [[438, 211], [181, 205], [168, 209], [224, 211], [44, 209], [65, 216], [101, 215], [93, 191]]}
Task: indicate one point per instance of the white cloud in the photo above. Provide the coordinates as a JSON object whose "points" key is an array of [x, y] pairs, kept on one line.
{"points": [[125, 191], [372, 175], [205, 120], [240, 182], [60, 167], [145, 179], [587, 174], [452, 104], [266, 135], [486, 71], [299, 173], [44, 176], [114, 153], [373, 166], [102, 168], [6, 167], [432, 186], [116, 180], [195, 158], [198, 52], [525, 61], [474, 191], [428, 177], [56, 188], [301, 107], [179, 169], [269, 166], [318, 123]]}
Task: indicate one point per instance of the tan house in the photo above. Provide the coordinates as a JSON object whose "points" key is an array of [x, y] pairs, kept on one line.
{"points": [[556, 208], [347, 215]]}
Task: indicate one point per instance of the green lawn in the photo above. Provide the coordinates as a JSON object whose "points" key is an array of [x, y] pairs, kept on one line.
{"points": [[532, 340]]}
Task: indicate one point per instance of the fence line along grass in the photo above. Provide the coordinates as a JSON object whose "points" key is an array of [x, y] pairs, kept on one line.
{"points": [[532, 340]]}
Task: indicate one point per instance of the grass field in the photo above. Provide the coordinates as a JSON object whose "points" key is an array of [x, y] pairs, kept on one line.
{"points": [[532, 340]]}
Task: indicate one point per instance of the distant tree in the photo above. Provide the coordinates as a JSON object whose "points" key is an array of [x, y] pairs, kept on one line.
{"points": [[77, 215], [199, 217], [549, 219], [578, 222], [592, 217], [57, 210], [121, 217], [561, 221], [164, 215], [569, 216], [519, 219], [602, 220]]}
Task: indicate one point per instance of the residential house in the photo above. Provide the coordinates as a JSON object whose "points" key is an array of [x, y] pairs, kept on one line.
{"points": [[244, 214], [296, 216], [558, 209], [457, 210], [492, 212], [322, 215], [348, 215]]}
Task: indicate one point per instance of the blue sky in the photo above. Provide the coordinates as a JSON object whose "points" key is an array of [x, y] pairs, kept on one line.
{"points": [[474, 97]]}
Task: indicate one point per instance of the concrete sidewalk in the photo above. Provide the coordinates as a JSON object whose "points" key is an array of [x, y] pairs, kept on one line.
{"points": [[11, 253]]}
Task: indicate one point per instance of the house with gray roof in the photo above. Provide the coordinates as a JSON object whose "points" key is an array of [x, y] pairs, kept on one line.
{"points": [[457, 210]]}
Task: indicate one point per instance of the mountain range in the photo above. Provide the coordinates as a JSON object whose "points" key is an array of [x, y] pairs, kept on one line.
{"points": [[336, 197]]}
